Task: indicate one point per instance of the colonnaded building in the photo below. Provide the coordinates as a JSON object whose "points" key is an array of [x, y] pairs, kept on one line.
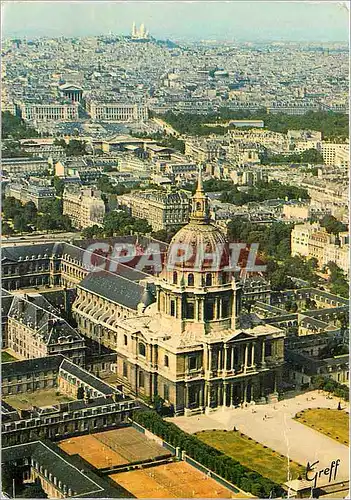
{"points": [[182, 335]]}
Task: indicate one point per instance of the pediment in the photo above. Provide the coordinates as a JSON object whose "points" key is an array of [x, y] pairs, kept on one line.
{"points": [[240, 336]]}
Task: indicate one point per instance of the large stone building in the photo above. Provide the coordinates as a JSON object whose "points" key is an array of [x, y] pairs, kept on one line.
{"points": [[25, 192], [49, 112], [117, 112], [35, 328], [85, 207], [181, 337], [24, 166], [162, 210]]}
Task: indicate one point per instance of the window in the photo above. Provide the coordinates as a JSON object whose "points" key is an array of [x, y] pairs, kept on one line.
{"points": [[166, 392], [166, 360], [125, 369], [190, 310], [209, 310], [125, 340], [191, 279], [175, 277], [141, 379], [173, 308], [208, 280], [268, 348], [142, 349], [225, 308], [192, 363]]}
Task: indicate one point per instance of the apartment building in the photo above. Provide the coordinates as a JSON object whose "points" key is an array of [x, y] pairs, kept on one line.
{"points": [[24, 166], [85, 207], [39, 195], [117, 112], [161, 209], [336, 154], [312, 240]]}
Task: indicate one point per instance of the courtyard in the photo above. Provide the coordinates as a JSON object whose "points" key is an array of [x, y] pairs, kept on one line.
{"points": [[274, 426], [332, 423], [46, 397]]}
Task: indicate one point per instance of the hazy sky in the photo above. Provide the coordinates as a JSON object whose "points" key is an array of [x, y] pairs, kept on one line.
{"points": [[234, 20]]}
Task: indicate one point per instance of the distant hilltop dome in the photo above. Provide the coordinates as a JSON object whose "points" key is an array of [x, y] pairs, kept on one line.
{"points": [[141, 33]]}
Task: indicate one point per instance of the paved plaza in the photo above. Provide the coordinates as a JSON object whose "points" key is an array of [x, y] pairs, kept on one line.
{"points": [[273, 426]]}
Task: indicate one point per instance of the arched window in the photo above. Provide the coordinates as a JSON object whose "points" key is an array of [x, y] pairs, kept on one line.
{"points": [[175, 277], [191, 279], [208, 280], [142, 349], [198, 206]]}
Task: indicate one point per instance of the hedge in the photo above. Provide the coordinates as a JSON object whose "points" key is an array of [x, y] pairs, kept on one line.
{"points": [[223, 465]]}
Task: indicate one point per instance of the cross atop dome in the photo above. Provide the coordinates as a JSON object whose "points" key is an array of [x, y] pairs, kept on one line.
{"points": [[200, 211]]}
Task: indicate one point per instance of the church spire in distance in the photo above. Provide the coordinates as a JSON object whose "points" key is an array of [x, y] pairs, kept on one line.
{"points": [[200, 212]]}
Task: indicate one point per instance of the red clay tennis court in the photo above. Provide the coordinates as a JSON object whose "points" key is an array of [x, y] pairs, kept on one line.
{"points": [[171, 480]]}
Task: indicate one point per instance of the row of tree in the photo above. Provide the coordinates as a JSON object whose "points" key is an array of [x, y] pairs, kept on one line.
{"points": [[223, 465], [263, 191], [118, 223], [330, 385], [27, 218], [13, 485], [15, 128], [334, 126], [338, 281], [311, 156], [274, 242], [74, 147]]}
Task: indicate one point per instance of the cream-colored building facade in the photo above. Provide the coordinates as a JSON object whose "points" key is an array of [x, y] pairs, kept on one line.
{"points": [[312, 240], [85, 207]]}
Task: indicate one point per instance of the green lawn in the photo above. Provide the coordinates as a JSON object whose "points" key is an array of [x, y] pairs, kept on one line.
{"points": [[333, 423], [5, 357], [254, 455]]}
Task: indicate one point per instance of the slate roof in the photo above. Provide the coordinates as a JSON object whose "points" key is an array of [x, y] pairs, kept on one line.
{"points": [[14, 253], [88, 378], [115, 288], [31, 366], [36, 312]]}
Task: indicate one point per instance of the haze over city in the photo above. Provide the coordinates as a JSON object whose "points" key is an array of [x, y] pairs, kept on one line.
{"points": [[240, 21]]}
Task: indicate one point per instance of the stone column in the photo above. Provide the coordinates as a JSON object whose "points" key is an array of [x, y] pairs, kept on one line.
{"points": [[186, 398], [219, 395], [201, 398], [263, 363], [225, 358], [208, 394], [245, 391], [209, 359], [225, 385], [231, 391], [220, 359], [246, 355], [253, 354], [220, 309], [232, 359]]}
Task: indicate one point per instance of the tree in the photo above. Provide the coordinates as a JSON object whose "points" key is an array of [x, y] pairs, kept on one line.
{"points": [[6, 229], [11, 476], [20, 223], [59, 185], [30, 211], [142, 226], [11, 207], [332, 225]]}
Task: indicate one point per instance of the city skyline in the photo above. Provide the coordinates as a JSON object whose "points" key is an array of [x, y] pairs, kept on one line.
{"points": [[234, 21]]}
